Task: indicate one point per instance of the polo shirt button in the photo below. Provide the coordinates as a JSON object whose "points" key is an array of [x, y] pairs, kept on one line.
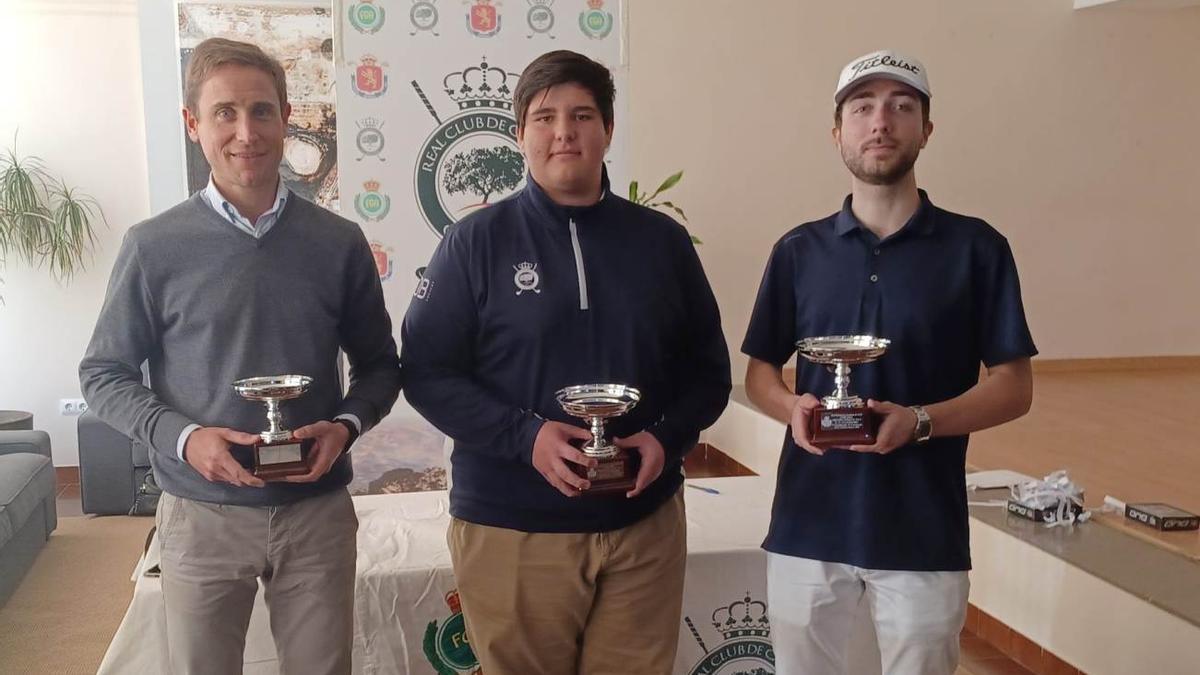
{"points": [[874, 278]]}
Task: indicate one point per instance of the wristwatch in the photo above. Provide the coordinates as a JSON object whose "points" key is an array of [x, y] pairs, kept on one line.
{"points": [[924, 428], [349, 427]]}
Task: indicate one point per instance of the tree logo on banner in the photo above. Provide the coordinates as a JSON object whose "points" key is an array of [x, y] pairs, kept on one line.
{"points": [[446, 647], [484, 172], [745, 648], [483, 19], [372, 204], [366, 17], [540, 17], [424, 16], [594, 21], [471, 160], [369, 80]]}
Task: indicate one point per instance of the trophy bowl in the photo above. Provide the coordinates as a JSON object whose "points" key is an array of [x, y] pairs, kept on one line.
{"points": [[277, 454], [616, 469], [842, 419]]}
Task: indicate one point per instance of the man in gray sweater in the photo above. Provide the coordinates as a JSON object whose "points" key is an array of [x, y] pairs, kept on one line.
{"points": [[245, 279]]}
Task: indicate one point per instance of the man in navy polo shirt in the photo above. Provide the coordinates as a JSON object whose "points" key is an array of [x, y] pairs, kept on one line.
{"points": [[887, 521]]}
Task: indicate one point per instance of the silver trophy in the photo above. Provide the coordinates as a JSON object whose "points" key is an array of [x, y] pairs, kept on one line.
{"points": [[842, 418], [615, 469], [277, 454]]}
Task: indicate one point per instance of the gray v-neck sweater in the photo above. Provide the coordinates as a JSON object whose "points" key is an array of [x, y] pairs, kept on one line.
{"points": [[207, 304]]}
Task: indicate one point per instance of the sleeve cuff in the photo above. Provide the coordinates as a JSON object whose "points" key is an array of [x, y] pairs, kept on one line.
{"points": [[168, 428], [528, 434], [183, 436], [352, 419], [672, 439], [360, 413]]}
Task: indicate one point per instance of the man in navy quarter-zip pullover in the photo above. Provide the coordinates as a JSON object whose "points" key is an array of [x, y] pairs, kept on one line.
{"points": [[565, 283]]}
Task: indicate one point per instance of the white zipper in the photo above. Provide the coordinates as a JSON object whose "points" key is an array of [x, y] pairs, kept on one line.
{"points": [[583, 292]]}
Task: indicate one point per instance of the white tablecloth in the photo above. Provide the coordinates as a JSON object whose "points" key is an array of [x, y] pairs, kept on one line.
{"points": [[404, 622]]}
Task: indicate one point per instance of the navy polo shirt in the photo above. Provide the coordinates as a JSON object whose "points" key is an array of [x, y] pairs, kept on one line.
{"points": [[944, 290]]}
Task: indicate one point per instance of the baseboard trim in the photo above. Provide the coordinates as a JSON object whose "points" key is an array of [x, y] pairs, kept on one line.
{"points": [[1113, 364], [1015, 646], [66, 475]]}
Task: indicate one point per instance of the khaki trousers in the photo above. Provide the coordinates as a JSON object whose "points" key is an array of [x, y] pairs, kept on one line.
{"points": [[558, 604], [212, 558]]}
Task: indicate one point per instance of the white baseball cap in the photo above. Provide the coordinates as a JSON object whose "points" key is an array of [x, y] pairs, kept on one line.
{"points": [[885, 64]]}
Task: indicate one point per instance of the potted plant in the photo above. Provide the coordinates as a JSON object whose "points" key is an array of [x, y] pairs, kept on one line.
{"points": [[43, 221], [648, 200]]}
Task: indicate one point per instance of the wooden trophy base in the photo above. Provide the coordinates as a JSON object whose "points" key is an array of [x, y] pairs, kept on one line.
{"points": [[611, 475], [278, 460], [842, 427]]}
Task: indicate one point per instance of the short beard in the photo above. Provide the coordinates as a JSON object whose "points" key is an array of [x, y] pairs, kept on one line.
{"points": [[885, 175]]}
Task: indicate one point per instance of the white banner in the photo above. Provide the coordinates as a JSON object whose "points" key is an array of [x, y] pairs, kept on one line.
{"points": [[426, 133]]}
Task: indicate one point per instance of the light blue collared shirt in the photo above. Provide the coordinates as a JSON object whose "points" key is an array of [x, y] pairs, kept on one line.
{"points": [[228, 212]]}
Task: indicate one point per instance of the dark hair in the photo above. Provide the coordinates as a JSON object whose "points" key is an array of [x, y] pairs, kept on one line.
{"points": [[561, 67], [837, 111], [216, 52]]}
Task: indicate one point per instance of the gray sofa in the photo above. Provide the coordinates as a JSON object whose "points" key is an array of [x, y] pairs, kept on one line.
{"points": [[111, 467], [27, 512]]}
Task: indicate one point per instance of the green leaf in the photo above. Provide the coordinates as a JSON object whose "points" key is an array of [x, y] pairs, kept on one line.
{"points": [[633, 185], [667, 184], [676, 209], [42, 220]]}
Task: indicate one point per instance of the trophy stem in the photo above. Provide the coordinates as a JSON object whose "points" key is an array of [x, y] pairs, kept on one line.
{"points": [[841, 398], [274, 419], [841, 381], [275, 431], [597, 447]]}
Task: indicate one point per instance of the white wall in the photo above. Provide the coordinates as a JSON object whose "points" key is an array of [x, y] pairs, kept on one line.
{"points": [[71, 82], [1071, 131]]}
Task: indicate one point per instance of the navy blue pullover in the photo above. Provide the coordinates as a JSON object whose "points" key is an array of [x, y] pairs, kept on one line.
{"points": [[526, 297]]}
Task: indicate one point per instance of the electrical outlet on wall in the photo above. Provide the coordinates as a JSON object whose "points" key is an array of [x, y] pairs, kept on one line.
{"points": [[72, 406]]}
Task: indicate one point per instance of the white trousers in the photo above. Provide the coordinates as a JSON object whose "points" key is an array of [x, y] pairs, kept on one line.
{"points": [[811, 604]]}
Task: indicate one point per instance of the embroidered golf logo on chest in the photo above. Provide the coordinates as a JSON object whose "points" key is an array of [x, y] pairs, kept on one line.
{"points": [[526, 278]]}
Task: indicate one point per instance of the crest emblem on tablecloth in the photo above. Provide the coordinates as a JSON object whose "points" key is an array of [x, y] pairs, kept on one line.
{"points": [[745, 647], [446, 646]]}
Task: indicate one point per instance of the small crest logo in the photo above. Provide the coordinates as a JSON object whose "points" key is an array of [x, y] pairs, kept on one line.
{"points": [[370, 138], [826, 422], [483, 19], [471, 160], [594, 21], [366, 17], [369, 80], [424, 17], [383, 260], [446, 646], [372, 204], [745, 648], [526, 278], [540, 18]]}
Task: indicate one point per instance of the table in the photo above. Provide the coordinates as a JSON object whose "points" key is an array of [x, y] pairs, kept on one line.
{"points": [[15, 420], [406, 618]]}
